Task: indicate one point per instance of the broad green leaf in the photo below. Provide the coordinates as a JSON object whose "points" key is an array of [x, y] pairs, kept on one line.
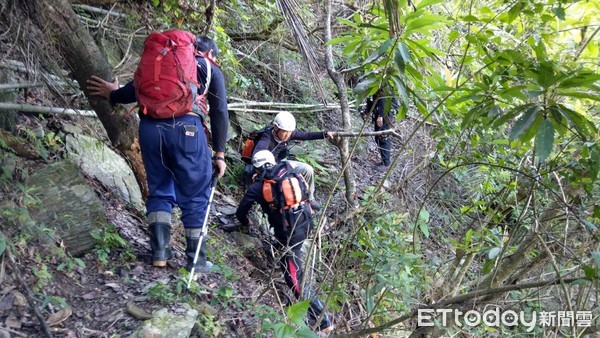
{"points": [[544, 140], [488, 266], [401, 88], [468, 237], [423, 21], [380, 51], [540, 49], [282, 330], [404, 52], [453, 35], [399, 60], [523, 123], [559, 12], [347, 22], [583, 125], [582, 79], [546, 76], [513, 12], [470, 18], [494, 252], [510, 114], [513, 92], [469, 116], [560, 122], [364, 85], [578, 94], [423, 222], [340, 39], [426, 3], [383, 28], [297, 312]]}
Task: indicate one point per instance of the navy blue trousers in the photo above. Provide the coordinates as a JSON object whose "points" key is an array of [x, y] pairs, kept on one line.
{"points": [[178, 166]]}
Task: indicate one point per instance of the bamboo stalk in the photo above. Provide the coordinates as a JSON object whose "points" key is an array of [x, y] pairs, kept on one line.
{"points": [[11, 86], [30, 108], [100, 11]]}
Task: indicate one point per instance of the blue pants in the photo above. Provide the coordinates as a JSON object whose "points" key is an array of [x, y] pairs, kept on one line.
{"points": [[178, 166]]}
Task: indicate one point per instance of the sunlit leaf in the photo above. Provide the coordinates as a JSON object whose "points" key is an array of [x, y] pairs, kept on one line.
{"points": [[422, 22], [582, 79], [578, 94], [494, 252], [426, 3], [297, 312], [544, 140], [514, 11], [364, 85]]}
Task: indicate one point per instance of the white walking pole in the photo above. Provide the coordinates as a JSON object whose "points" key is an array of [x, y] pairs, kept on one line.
{"points": [[213, 184]]}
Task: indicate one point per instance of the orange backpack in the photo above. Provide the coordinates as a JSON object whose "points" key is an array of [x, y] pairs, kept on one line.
{"points": [[284, 188]]}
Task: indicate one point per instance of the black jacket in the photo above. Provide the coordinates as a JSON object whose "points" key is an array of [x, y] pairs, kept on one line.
{"points": [[217, 99], [279, 148], [253, 195]]}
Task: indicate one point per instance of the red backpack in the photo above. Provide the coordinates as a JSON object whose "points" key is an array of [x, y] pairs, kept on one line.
{"points": [[165, 81]]}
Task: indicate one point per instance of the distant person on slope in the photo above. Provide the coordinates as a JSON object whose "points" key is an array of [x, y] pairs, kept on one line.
{"points": [[276, 141], [376, 107]]}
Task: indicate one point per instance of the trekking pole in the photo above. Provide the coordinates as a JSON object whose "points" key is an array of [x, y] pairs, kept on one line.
{"points": [[213, 184]]}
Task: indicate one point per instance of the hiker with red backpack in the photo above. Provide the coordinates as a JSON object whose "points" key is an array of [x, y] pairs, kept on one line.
{"points": [[281, 191], [276, 138], [176, 84]]}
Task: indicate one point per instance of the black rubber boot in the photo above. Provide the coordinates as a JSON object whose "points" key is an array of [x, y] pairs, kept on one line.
{"points": [[314, 311], [160, 234], [202, 265]]}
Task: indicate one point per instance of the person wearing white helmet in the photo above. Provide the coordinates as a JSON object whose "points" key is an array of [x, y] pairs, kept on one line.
{"points": [[276, 141], [291, 223]]}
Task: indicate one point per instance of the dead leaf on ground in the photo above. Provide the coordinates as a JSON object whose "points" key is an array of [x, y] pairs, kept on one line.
{"points": [[59, 316], [12, 322], [92, 295], [114, 286], [7, 289]]}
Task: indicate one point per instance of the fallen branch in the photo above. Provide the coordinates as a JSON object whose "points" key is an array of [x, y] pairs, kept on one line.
{"points": [[30, 108], [368, 133]]}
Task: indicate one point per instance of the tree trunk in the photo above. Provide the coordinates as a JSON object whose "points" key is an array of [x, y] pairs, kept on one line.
{"points": [[338, 79], [84, 58]]}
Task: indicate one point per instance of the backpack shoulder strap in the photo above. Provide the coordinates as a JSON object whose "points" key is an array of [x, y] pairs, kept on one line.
{"points": [[208, 73]]}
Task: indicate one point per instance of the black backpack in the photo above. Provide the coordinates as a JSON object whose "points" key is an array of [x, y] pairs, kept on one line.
{"points": [[250, 142]]}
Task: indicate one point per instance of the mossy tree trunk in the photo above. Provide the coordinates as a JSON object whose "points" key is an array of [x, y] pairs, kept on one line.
{"points": [[75, 44]]}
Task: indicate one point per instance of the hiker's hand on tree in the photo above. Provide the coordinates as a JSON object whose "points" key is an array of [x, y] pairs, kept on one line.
{"points": [[379, 121], [219, 162], [99, 87], [330, 135]]}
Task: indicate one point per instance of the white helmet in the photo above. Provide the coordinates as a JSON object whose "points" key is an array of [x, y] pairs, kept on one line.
{"points": [[263, 157], [285, 121]]}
